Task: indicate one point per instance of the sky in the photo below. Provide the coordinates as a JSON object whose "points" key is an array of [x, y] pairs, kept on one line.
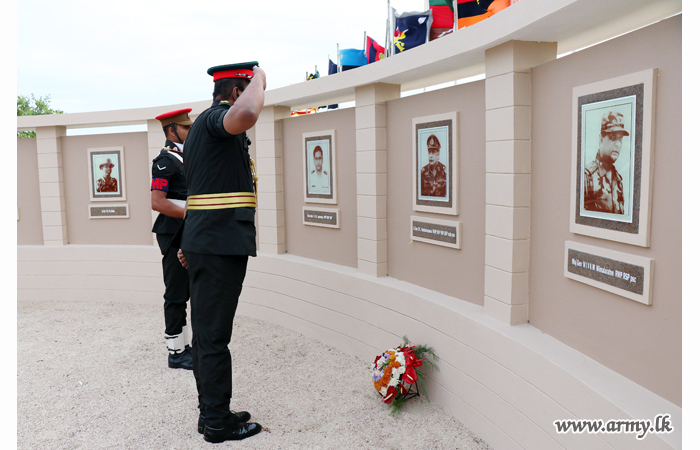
{"points": [[96, 55]]}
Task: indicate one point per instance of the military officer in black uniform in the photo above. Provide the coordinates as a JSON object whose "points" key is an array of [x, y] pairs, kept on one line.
{"points": [[218, 236], [168, 196]]}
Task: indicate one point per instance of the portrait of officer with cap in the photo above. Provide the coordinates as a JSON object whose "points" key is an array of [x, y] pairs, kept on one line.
{"points": [[433, 176], [107, 183], [168, 196], [602, 182], [218, 236]]}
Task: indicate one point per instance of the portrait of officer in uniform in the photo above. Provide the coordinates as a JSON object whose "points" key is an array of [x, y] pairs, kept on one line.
{"points": [[168, 196], [433, 176], [107, 183], [218, 237], [319, 180], [602, 182]]}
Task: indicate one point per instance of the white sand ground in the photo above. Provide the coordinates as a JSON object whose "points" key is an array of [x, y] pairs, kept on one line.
{"points": [[94, 376]]}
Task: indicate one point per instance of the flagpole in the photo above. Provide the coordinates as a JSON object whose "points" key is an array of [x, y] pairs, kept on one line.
{"points": [[454, 10], [390, 30]]}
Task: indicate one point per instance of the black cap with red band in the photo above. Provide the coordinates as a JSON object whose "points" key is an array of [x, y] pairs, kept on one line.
{"points": [[241, 70]]}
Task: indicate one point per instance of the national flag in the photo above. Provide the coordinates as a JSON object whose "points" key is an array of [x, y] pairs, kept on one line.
{"points": [[332, 68], [411, 30], [375, 52], [470, 12], [352, 58], [313, 76], [443, 15], [494, 6]]}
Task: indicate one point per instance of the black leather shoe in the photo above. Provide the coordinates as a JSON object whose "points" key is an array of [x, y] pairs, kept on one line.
{"points": [[236, 417], [233, 432], [182, 360]]}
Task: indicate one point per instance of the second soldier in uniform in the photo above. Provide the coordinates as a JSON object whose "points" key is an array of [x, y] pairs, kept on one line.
{"points": [[168, 196]]}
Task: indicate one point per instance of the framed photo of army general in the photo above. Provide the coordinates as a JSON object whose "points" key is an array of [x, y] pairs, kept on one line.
{"points": [[106, 176], [612, 158], [436, 163], [320, 167]]}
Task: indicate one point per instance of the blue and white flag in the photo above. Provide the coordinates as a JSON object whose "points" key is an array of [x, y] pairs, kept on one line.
{"points": [[411, 29]]}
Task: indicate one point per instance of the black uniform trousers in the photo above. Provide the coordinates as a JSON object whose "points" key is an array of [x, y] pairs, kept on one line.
{"points": [[177, 287], [216, 282]]}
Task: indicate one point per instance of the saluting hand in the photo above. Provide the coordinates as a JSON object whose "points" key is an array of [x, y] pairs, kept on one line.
{"points": [[258, 72], [181, 257]]}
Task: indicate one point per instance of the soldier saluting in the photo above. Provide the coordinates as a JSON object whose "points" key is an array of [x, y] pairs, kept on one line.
{"points": [[218, 236]]}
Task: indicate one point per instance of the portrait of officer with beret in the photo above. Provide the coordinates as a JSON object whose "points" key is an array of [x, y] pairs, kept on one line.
{"points": [[603, 183], [607, 161]]}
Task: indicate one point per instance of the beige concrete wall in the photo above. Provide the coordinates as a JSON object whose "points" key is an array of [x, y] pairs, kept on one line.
{"points": [[29, 230], [136, 230], [458, 273], [338, 246], [640, 342]]}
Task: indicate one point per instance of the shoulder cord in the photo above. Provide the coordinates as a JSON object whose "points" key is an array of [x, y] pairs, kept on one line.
{"points": [[255, 178]]}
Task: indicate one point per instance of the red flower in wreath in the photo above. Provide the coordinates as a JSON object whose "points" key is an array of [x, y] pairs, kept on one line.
{"points": [[411, 376], [390, 394]]}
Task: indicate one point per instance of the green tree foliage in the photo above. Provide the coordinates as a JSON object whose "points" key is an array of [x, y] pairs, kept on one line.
{"points": [[33, 106]]}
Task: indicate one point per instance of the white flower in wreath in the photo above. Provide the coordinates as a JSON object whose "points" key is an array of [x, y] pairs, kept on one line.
{"points": [[394, 382], [383, 391]]}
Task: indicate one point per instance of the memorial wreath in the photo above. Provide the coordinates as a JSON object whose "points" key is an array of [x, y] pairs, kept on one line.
{"points": [[395, 373]]}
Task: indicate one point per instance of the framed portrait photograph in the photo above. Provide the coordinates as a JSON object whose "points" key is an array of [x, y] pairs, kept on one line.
{"points": [[436, 163], [106, 174], [320, 168], [612, 158]]}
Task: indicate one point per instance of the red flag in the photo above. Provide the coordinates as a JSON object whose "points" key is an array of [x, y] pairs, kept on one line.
{"points": [[375, 52]]}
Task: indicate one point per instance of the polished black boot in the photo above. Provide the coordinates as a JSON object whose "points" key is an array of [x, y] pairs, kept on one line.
{"points": [[234, 431], [182, 360], [237, 417]]}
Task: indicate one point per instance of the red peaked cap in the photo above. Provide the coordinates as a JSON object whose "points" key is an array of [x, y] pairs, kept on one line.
{"points": [[179, 116], [240, 70]]}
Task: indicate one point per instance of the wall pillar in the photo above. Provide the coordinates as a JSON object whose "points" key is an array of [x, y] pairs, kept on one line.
{"points": [[269, 166], [370, 129], [508, 132], [53, 202], [156, 140]]}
